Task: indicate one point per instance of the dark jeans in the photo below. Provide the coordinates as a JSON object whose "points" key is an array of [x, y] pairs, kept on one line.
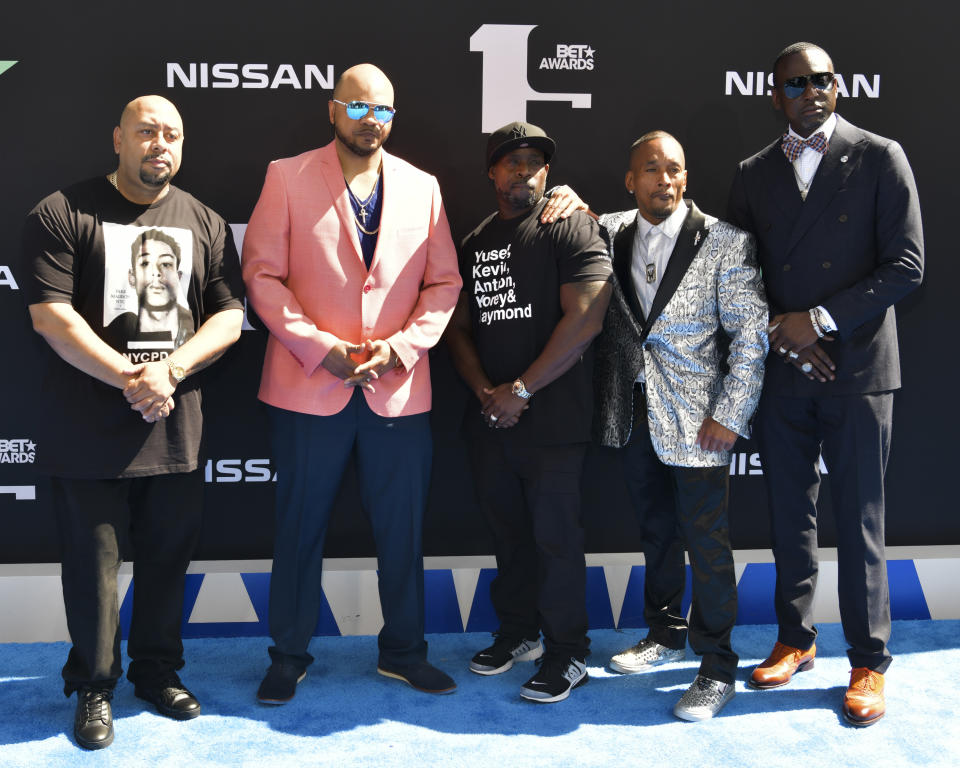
{"points": [[853, 431], [531, 499], [677, 507], [393, 462], [161, 516]]}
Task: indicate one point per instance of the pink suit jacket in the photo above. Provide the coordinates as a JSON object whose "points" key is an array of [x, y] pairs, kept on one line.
{"points": [[307, 281]]}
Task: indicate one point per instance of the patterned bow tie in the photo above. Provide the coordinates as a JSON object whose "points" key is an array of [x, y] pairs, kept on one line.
{"points": [[793, 146]]}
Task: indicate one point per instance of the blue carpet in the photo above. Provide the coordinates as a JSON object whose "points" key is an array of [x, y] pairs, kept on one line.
{"points": [[345, 714]]}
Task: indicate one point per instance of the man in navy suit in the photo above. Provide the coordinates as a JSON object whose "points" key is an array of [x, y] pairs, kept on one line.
{"points": [[837, 220]]}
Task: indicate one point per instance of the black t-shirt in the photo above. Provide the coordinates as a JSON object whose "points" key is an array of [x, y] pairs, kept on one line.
{"points": [[512, 271], [144, 278]]}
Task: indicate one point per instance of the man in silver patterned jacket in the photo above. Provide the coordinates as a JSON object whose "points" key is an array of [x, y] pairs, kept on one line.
{"points": [[679, 367]]}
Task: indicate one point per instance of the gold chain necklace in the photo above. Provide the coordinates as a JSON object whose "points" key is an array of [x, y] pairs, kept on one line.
{"points": [[363, 209]]}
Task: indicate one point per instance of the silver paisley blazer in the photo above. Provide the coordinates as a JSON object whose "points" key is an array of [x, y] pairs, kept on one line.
{"points": [[701, 349]]}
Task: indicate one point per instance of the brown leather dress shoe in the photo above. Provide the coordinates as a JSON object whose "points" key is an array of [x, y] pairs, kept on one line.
{"points": [[782, 663], [863, 703]]}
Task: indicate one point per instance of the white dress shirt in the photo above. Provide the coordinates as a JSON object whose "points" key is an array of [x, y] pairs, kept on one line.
{"points": [[652, 247]]}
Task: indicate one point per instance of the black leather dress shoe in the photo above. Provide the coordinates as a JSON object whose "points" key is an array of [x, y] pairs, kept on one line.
{"points": [[169, 696], [93, 722]]}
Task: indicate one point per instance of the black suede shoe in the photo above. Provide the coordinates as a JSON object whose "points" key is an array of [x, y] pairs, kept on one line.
{"points": [[93, 722], [280, 683], [169, 696], [421, 675]]}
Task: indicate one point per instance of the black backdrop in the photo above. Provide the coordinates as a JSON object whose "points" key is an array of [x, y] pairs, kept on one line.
{"points": [[692, 69]]}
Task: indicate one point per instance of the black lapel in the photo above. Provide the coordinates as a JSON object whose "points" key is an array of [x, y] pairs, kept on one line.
{"points": [[622, 259], [691, 237], [841, 157]]}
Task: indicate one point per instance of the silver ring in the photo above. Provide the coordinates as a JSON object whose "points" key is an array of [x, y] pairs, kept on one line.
{"points": [[793, 355], [493, 418], [782, 350], [806, 367]]}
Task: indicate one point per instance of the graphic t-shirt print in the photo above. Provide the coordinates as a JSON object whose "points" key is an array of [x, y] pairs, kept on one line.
{"points": [[146, 274]]}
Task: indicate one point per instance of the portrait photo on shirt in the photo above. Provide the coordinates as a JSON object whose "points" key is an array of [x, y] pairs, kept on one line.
{"points": [[146, 275]]}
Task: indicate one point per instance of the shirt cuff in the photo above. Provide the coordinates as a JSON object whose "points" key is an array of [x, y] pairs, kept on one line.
{"points": [[830, 326]]}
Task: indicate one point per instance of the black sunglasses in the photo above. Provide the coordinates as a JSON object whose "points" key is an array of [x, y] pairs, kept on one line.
{"points": [[793, 87]]}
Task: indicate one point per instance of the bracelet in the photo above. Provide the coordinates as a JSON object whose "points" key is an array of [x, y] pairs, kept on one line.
{"points": [[815, 320]]}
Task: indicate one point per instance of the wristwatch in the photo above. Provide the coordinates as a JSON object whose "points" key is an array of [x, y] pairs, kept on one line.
{"points": [[176, 370], [520, 390]]}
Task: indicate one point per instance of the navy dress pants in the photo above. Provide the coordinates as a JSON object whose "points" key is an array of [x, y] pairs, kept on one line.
{"points": [[853, 432], [393, 457]]}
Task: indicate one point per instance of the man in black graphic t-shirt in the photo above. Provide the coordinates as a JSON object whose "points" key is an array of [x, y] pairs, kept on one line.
{"points": [[122, 427], [533, 298]]}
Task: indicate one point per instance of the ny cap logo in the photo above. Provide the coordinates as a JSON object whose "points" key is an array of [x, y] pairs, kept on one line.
{"points": [[518, 132], [506, 90]]}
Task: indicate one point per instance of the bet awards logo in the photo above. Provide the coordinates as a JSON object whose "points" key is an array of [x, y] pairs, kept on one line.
{"points": [[17, 451], [238, 471], [506, 89]]}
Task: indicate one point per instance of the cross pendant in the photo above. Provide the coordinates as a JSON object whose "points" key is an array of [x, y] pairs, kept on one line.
{"points": [[363, 214]]}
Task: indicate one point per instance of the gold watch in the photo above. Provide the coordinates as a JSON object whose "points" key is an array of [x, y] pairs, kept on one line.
{"points": [[176, 370]]}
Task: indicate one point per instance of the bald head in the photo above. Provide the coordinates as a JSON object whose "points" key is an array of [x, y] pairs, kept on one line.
{"points": [[153, 105], [363, 77], [149, 144]]}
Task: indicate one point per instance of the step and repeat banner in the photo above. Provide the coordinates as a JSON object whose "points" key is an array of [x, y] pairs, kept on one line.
{"points": [[252, 82]]}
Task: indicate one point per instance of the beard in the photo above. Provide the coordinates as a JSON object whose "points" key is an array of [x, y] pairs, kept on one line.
{"points": [[154, 178], [357, 149]]}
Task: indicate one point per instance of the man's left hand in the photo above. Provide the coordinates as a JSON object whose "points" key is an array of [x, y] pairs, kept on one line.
{"points": [[791, 332], [382, 359], [502, 408], [149, 387], [561, 204], [713, 436]]}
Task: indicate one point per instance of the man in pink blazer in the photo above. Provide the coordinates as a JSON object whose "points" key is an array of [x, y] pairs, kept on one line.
{"points": [[349, 262]]}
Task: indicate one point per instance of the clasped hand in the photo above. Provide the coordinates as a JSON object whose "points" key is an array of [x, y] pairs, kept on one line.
{"points": [[149, 390], [340, 363]]}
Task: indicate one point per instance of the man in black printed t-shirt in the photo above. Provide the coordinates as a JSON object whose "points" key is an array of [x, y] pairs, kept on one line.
{"points": [[135, 286], [534, 297]]}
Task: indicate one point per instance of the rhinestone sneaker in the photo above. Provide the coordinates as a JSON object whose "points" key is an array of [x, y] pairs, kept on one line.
{"points": [[500, 656], [643, 656], [703, 699]]}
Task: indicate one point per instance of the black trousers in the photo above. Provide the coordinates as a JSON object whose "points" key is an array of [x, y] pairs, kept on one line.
{"points": [[853, 431], [530, 496], [679, 506], [160, 518], [393, 457]]}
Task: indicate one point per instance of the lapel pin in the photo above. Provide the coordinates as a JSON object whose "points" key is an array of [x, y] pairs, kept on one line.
{"points": [[696, 238], [843, 159]]}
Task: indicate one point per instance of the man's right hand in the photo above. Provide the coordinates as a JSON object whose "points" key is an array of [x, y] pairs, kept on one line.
{"points": [[339, 362], [821, 367]]}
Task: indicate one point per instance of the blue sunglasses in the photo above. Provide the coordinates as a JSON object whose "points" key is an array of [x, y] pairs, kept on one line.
{"points": [[794, 86], [357, 110]]}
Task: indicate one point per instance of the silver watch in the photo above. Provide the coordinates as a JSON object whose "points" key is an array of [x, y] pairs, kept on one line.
{"points": [[520, 390]]}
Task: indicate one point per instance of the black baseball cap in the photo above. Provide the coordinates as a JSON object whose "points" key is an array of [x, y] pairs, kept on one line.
{"points": [[516, 136]]}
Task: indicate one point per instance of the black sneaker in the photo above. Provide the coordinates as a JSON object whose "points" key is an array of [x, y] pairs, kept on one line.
{"points": [[169, 696], [280, 683], [557, 676], [500, 656], [93, 721], [421, 675]]}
